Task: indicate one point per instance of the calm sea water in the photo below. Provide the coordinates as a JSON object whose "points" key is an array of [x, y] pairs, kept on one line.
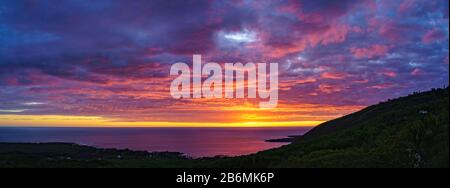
{"points": [[195, 142]]}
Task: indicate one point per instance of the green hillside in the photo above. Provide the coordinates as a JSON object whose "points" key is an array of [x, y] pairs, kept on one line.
{"points": [[411, 131]]}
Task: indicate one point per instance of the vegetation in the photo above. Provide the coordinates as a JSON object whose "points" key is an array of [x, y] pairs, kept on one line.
{"points": [[411, 131]]}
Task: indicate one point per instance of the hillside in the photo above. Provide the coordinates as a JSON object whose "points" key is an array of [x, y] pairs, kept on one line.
{"points": [[411, 131]]}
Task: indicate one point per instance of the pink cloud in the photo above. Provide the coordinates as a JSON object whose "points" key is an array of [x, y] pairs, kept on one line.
{"points": [[292, 7], [389, 73], [11, 81], [334, 76], [433, 36], [389, 29], [324, 36], [416, 72], [288, 84], [406, 5], [375, 50], [382, 86], [334, 34], [28, 78], [363, 81], [328, 89]]}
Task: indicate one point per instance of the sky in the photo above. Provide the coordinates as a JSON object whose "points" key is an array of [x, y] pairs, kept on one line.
{"points": [[107, 62]]}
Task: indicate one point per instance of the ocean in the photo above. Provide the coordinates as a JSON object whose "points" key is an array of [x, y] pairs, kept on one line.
{"points": [[194, 142]]}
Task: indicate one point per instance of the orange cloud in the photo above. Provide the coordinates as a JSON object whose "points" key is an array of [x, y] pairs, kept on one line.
{"points": [[334, 76]]}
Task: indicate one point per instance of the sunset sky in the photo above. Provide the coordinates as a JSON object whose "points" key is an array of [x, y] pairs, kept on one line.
{"points": [[107, 63]]}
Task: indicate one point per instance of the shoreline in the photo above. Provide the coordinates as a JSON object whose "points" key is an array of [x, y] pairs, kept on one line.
{"points": [[288, 139]]}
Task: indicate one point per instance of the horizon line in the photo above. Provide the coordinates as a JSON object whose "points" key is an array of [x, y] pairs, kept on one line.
{"points": [[95, 121]]}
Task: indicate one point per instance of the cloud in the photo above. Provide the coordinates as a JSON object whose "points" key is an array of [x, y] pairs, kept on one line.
{"points": [[335, 76], [112, 59], [375, 50], [389, 73], [433, 36], [416, 72], [329, 89]]}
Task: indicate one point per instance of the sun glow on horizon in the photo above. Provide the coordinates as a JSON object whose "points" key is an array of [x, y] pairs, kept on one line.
{"points": [[95, 121]]}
